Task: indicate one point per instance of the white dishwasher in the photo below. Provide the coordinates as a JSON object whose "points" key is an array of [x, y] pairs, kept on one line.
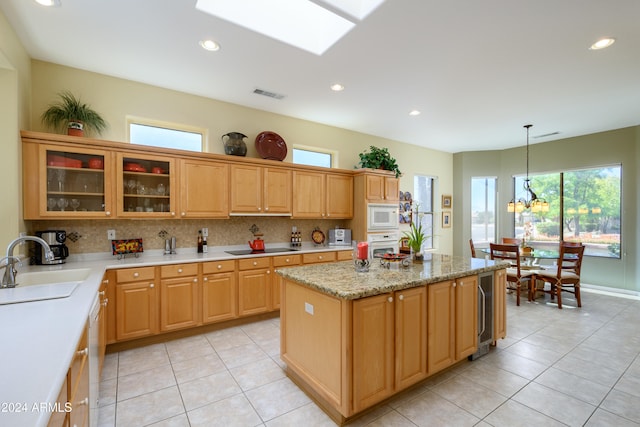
{"points": [[94, 362]]}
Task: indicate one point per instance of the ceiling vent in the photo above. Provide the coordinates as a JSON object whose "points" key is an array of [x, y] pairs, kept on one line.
{"points": [[267, 93]]}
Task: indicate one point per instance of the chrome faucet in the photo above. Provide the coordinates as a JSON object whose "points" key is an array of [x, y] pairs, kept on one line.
{"points": [[9, 278]]}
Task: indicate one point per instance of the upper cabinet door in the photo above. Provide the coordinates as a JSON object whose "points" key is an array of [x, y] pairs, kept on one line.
{"points": [[308, 194], [63, 182], [277, 189], [204, 189], [339, 196], [146, 186], [246, 189], [382, 188]]}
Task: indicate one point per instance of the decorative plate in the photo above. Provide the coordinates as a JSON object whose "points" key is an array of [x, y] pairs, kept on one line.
{"points": [[317, 236], [271, 146], [126, 246]]}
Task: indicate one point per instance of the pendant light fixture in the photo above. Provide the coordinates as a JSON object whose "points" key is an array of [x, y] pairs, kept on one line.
{"points": [[531, 199]]}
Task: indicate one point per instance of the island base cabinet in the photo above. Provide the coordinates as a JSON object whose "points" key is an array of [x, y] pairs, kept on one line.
{"points": [[499, 305], [314, 342], [373, 364], [452, 322], [410, 336]]}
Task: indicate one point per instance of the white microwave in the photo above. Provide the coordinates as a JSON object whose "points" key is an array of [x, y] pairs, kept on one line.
{"points": [[382, 217]]}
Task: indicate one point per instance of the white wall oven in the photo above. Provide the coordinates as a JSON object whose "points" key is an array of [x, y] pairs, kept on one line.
{"points": [[383, 243], [381, 217]]}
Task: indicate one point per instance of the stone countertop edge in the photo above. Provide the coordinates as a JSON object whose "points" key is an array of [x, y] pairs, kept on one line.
{"points": [[340, 279], [40, 337]]}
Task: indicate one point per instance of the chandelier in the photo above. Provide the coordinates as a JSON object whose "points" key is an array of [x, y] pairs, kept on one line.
{"points": [[530, 200]]}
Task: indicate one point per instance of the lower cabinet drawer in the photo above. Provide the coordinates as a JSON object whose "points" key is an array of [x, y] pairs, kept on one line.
{"points": [[178, 270], [218, 267], [134, 274], [318, 257]]}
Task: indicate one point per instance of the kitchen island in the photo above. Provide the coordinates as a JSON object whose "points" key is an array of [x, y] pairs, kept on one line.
{"points": [[352, 340]]}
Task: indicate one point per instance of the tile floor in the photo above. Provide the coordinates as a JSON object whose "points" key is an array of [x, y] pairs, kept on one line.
{"points": [[557, 367]]}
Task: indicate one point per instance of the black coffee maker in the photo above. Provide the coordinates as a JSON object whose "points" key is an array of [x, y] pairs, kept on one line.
{"points": [[55, 239]]}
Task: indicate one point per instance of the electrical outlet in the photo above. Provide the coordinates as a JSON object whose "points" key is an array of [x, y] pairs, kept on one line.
{"points": [[205, 232], [111, 234]]}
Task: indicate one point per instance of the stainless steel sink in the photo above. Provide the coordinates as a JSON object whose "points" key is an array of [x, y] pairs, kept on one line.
{"points": [[43, 285]]}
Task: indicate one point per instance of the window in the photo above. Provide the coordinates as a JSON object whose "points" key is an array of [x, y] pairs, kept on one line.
{"points": [[166, 135], [483, 211], [423, 206], [313, 156], [584, 204]]}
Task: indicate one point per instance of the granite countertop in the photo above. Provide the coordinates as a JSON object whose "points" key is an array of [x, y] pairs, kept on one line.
{"points": [[341, 280]]}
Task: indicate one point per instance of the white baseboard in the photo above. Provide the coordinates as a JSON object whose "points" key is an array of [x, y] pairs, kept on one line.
{"points": [[615, 292]]}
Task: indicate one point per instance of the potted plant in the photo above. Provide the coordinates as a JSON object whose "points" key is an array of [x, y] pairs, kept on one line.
{"points": [[72, 114], [416, 238], [378, 158]]}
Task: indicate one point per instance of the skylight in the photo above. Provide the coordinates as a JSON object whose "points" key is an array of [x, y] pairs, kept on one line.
{"points": [[300, 23]]}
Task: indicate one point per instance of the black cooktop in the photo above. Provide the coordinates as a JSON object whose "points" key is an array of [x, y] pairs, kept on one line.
{"points": [[266, 251]]}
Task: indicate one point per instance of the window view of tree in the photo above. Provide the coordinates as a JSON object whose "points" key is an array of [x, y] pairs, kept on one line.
{"points": [[587, 210]]}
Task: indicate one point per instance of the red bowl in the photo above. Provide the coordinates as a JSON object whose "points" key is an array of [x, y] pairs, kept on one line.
{"points": [[96, 163]]}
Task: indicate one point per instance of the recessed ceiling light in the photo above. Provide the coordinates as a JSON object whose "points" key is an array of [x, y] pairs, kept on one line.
{"points": [[337, 87], [414, 113], [48, 2], [603, 43], [209, 45]]}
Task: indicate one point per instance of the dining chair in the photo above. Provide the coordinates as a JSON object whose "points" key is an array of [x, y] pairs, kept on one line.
{"points": [[564, 278], [515, 276], [473, 248], [511, 241]]}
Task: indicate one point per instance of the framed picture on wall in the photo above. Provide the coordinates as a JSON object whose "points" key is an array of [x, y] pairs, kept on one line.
{"points": [[446, 201], [446, 219]]}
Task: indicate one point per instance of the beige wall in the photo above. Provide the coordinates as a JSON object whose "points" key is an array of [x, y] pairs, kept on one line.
{"points": [[15, 87], [116, 98]]}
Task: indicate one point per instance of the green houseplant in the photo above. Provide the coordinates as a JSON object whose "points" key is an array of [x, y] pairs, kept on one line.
{"points": [[416, 238], [72, 114], [378, 158]]}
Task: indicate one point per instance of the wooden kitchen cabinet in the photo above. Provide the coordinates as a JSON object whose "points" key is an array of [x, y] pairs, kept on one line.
{"points": [[260, 190], [254, 286], [380, 188], [78, 380], [204, 189], [318, 257], [322, 195], [219, 291], [136, 303], [110, 276], [103, 300], [499, 305], [452, 322], [66, 182], [280, 262], [146, 186], [179, 296], [389, 344]]}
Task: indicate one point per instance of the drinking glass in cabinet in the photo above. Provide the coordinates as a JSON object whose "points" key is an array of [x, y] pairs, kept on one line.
{"points": [[75, 204], [63, 203]]}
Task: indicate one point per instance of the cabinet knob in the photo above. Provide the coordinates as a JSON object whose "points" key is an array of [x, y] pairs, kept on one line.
{"points": [[259, 209], [179, 270], [107, 213], [83, 352], [173, 214], [401, 297], [268, 272], [151, 285], [83, 402], [136, 274], [105, 281], [323, 214], [105, 302], [286, 260], [183, 213], [219, 266], [454, 284], [255, 262], [195, 280], [101, 293], [206, 279], [266, 209], [320, 257], [390, 299]]}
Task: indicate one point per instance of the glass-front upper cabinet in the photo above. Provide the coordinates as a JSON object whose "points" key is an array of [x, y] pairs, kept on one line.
{"points": [[72, 183], [145, 186]]}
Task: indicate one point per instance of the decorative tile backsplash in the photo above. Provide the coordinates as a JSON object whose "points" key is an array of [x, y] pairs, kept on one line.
{"points": [[90, 236]]}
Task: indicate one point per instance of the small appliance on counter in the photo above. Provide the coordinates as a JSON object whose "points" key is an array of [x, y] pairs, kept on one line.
{"points": [[339, 237], [55, 239]]}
